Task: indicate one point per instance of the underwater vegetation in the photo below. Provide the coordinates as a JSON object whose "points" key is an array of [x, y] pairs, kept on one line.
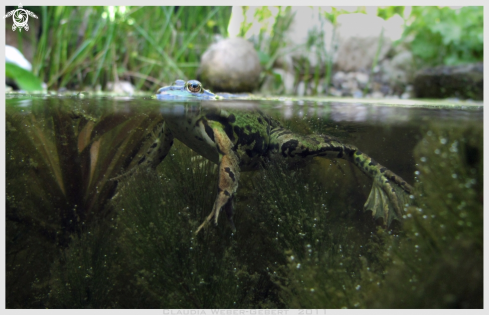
{"points": [[60, 159], [191, 270], [179, 269], [302, 240], [435, 260], [438, 262]]}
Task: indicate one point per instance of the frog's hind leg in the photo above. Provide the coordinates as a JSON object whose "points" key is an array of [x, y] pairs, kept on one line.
{"points": [[228, 178], [389, 194], [155, 154]]}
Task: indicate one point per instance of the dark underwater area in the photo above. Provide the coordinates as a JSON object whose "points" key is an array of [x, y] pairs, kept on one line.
{"points": [[76, 239]]}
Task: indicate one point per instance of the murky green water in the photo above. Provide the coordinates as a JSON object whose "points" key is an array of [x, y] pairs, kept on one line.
{"points": [[77, 239]]}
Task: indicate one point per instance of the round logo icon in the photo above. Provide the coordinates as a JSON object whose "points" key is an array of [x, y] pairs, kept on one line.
{"points": [[20, 18]]}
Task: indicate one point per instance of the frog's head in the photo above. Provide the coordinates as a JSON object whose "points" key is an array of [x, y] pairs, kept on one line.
{"points": [[181, 89]]}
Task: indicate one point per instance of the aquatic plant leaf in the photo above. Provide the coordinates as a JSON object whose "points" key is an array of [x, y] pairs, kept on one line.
{"points": [[94, 150], [119, 139], [84, 136], [26, 80], [67, 147], [41, 141]]}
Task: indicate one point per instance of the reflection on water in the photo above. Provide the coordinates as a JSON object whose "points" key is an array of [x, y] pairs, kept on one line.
{"points": [[76, 238]]}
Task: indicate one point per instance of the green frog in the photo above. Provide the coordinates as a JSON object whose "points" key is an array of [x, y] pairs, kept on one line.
{"points": [[240, 141]]}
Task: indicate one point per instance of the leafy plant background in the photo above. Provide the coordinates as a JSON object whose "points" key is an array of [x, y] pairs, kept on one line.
{"points": [[79, 47], [446, 36]]}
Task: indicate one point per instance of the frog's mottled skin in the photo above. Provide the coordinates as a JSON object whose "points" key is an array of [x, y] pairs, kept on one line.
{"points": [[240, 141]]}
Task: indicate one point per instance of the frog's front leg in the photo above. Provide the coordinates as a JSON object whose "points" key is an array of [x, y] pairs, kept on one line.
{"points": [[228, 177], [156, 153]]}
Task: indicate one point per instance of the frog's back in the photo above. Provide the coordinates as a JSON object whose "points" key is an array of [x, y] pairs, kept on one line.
{"points": [[251, 137]]}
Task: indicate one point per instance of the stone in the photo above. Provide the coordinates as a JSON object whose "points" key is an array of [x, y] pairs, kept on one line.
{"points": [[301, 89], [359, 35], [334, 92], [231, 65], [399, 71], [121, 87], [357, 94], [349, 85], [377, 94], [408, 92], [385, 89], [404, 60], [462, 81], [338, 78], [376, 86], [362, 79]]}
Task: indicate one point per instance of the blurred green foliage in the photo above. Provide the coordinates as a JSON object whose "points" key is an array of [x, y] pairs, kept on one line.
{"points": [[436, 35], [23, 78], [86, 47], [388, 12], [149, 46], [446, 36]]}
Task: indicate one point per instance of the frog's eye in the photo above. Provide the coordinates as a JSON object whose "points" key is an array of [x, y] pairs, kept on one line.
{"points": [[194, 86]]}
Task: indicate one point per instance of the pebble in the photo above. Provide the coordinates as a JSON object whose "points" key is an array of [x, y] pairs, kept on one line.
{"points": [[377, 94], [301, 89], [357, 94]]}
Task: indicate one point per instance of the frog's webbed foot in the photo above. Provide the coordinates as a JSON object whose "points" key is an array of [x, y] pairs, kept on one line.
{"points": [[228, 180], [155, 154], [389, 195]]}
